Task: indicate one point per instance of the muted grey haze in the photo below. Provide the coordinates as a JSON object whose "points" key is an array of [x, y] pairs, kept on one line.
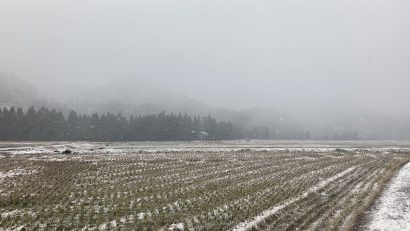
{"points": [[230, 53]]}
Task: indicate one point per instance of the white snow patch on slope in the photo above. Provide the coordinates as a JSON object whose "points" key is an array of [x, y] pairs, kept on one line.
{"points": [[267, 213], [393, 209]]}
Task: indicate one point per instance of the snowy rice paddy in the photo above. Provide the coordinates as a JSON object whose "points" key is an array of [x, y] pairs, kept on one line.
{"points": [[204, 186]]}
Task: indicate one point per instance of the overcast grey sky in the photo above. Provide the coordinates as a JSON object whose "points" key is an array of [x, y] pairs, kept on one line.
{"points": [[232, 53]]}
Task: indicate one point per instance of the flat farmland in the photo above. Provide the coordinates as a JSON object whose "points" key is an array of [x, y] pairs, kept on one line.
{"points": [[194, 186]]}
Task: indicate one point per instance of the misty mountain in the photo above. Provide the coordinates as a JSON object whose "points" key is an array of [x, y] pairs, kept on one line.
{"points": [[135, 96], [16, 92], [323, 121], [345, 121], [130, 96]]}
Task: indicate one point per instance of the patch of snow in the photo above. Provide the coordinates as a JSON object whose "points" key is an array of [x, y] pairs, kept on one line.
{"points": [[113, 224], [18, 228], [16, 172], [140, 216], [179, 226], [393, 209], [102, 227], [13, 213]]}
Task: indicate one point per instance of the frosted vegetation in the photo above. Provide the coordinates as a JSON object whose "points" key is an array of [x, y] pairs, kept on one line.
{"points": [[193, 186]]}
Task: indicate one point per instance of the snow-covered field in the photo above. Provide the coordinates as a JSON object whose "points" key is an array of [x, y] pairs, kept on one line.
{"points": [[204, 185], [260, 145]]}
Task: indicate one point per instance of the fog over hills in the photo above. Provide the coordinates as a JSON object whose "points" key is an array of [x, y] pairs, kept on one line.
{"points": [[319, 69], [14, 91], [129, 95], [132, 96]]}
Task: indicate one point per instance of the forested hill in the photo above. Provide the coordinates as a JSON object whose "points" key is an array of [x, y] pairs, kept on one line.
{"points": [[51, 125]]}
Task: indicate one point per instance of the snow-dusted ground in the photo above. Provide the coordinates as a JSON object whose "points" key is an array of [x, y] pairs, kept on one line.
{"points": [[15, 172], [392, 213], [195, 146], [393, 208], [248, 225]]}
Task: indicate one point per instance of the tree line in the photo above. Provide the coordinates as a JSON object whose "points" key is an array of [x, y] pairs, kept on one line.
{"points": [[51, 125]]}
